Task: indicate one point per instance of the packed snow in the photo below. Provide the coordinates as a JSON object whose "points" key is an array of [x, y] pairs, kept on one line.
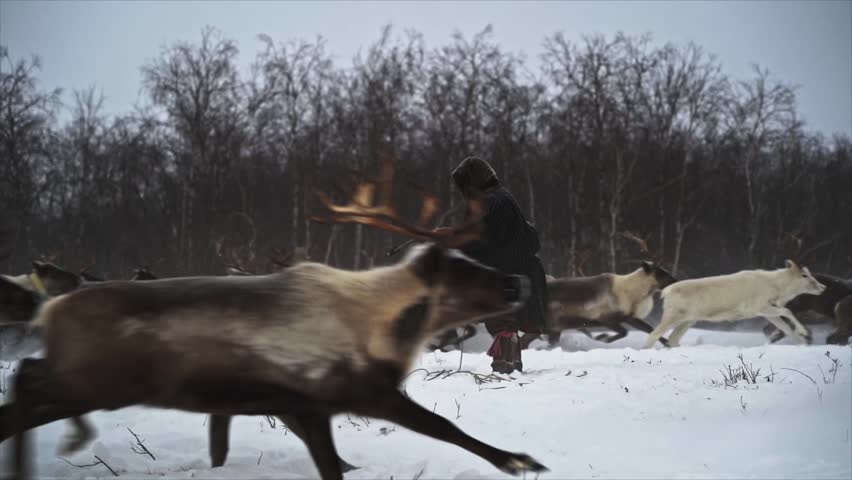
{"points": [[585, 410]]}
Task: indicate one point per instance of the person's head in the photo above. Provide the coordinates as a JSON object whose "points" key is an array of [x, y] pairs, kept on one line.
{"points": [[474, 175]]}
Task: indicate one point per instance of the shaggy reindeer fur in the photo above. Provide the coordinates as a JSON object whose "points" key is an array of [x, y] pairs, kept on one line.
{"points": [[262, 346], [738, 296], [607, 299]]}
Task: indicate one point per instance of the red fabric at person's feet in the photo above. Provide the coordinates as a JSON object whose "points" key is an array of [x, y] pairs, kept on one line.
{"points": [[496, 348]]}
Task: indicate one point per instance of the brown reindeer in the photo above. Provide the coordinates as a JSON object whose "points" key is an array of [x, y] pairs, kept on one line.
{"points": [[843, 321], [259, 345], [607, 300]]}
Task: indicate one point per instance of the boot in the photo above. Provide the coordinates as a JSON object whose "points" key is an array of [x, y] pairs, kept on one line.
{"points": [[503, 353], [515, 352]]}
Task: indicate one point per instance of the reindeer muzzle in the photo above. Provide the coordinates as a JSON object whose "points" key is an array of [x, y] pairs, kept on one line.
{"points": [[516, 288]]}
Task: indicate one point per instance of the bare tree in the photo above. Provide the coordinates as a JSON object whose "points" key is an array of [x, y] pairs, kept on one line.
{"points": [[26, 114]]}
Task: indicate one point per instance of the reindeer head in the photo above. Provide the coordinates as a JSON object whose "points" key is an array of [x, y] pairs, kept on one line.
{"points": [[235, 243], [142, 273], [650, 265], [56, 280], [466, 289], [800, 280], [661, 276]]}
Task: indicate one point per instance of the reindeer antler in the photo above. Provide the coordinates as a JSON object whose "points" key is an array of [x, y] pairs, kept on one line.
{"points": [[644, 250], [279, 259], [792, 246], [580, 261], [366, 209]]}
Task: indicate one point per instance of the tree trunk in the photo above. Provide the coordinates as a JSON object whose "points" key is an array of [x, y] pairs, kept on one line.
{"points": [[330, 245], [356, 264], [530, 190]]}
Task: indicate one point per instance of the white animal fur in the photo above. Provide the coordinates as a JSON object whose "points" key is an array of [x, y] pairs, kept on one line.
{"points": [[737, 296]]}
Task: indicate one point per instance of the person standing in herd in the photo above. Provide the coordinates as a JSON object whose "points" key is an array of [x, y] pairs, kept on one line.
{"points": [[510, 244]]}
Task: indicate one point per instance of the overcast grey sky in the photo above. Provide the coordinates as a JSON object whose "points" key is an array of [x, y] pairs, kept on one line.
{"points": [[807, 43]]}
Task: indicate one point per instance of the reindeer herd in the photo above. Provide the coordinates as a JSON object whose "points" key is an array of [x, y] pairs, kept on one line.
{"points": [[310, 341]]}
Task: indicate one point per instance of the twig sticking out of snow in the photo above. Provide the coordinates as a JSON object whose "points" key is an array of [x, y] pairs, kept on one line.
{"points": [[140, 447], [479, 378], [800, 373], [271, 421], [835, 365], [99, 461]]}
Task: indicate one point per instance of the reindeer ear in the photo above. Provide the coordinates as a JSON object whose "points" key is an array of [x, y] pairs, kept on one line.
{"points": [[648, 267], [790, 264]]}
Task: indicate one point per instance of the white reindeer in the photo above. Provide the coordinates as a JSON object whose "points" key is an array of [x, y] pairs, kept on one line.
{"points": [[738, 296]]}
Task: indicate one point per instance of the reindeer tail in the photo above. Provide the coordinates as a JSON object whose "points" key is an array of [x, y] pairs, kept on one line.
{"points": [[17, 304]]}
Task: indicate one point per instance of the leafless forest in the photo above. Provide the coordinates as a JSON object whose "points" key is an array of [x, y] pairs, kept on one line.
{"points": [[610, 137]]}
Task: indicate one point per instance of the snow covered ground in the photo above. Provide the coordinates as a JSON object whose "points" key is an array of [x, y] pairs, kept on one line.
{"points": [[586, 410]]}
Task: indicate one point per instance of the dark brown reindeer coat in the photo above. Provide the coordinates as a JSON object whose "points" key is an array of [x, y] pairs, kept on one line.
{"points": [[843, 320], [837, 289], [261, 346]]}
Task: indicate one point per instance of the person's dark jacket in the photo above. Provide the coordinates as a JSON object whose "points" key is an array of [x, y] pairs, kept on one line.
{"points": [[508, 242]]}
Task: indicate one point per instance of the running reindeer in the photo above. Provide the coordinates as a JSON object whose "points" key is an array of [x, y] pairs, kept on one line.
{"points": [[737, 296], [608, 300], [261, 345], [826, 304]]}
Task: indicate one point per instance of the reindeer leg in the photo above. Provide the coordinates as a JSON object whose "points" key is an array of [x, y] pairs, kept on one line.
{"points": [[25, 399], [620, 332], [678, 332], [587, 333], [666, 323], [802, 332], [469, 332], [219, 430], [315, 432], [772, 333], [37, 400], [298, 427], [393, 406], [38, 375], [553, 337], [82, 432], [775, 319], [639, 324]]}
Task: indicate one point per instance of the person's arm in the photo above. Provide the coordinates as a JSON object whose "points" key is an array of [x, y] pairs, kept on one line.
{"points": [[496, 221]]}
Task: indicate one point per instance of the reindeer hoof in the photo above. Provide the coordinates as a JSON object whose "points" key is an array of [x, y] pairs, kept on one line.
{"points": [[602, 337], [518, 463], [809, 339]]}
